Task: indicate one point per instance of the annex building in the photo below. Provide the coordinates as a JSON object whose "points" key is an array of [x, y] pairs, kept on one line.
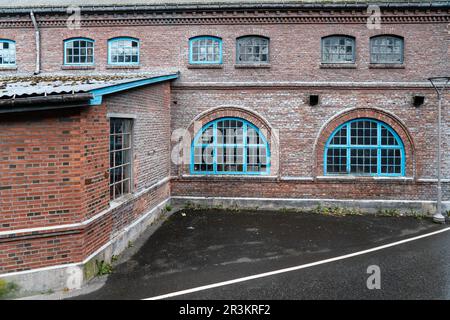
{"points": [[112, 110]]}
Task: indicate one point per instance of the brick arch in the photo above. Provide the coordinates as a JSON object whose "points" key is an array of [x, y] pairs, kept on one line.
{"points": [[238, 112], [373, 113]]}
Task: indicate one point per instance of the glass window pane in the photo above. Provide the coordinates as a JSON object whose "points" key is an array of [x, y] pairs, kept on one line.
{"points": [[364, 147], [120, 157]]}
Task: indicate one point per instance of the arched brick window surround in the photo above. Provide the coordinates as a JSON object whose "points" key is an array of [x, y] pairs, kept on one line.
{"points": [[394, 122], [238, 112]]}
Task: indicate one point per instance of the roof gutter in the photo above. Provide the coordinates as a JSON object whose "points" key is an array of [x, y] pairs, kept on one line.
{"points": [[38, 43], [348, 5], [51, 99]]}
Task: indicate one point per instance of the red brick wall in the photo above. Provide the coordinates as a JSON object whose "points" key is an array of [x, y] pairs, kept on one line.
{"points": [[41, 169], [40, 151]]}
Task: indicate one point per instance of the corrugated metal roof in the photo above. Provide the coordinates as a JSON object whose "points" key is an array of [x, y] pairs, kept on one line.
{"points": [[42, 85]]}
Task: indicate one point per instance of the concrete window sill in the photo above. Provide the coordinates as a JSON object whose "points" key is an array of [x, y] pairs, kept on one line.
{"points": [[338, 65], [77, 67], [362, 178], [386, 66], [123, 67], [252, 66], [230, 177], [205, 66], [8, 68]]}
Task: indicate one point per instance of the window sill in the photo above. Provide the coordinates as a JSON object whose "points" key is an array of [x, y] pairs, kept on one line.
{"points": [[252, 66], [123, 66], [8, 68], [205, 66], [386, 66], [229, 177], [64, 67], [362, 178], [338, 65]]}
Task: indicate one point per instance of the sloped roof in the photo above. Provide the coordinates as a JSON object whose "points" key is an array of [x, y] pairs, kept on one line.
{"points": [[43, 85]]}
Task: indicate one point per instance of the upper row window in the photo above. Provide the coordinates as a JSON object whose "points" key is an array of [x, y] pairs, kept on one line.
{"points": [[205, 50], [384, 49], [7, 53], [79, 51], [121, 51]]}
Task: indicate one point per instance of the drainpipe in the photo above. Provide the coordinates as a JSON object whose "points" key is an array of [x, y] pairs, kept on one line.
{"points": [[38, 43]]}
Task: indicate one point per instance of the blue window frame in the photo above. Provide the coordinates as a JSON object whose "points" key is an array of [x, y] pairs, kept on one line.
{"points": [[230, 146], [386, 49], [364, 147], [205, 50], [79, 51], [7, 52], [123, 51], [338, 49]]}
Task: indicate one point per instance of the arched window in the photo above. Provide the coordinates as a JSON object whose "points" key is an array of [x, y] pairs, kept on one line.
{"points": [[386, 49], [79, 51], [7, 53], [230, 146], [338, 49], [364, 147], [123, 51], [205, 49], [252, 49]]}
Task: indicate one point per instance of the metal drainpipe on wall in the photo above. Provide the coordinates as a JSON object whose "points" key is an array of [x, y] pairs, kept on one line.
{"points": [[38, 44]]}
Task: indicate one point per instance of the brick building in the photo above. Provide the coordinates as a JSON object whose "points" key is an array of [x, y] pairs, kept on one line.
{"points": [[110, 111]]}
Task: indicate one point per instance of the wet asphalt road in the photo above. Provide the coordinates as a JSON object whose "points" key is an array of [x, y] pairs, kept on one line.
{"points": [[205, 247]]}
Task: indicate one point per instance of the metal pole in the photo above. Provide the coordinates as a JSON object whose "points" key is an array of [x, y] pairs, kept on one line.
{"points": [[438, 217]]}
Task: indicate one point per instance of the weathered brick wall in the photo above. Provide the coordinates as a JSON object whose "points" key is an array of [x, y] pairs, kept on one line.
{"points": [[295, 48], [302, 131], [151, 130]]}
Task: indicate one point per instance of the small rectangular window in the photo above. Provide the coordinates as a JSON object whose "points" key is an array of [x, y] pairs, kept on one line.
{"points": [[338, 49], [7, 53], [386, 50], [120, 157]]}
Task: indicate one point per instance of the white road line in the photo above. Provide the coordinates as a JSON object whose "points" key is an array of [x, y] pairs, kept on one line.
{"points": [[303, 266]]}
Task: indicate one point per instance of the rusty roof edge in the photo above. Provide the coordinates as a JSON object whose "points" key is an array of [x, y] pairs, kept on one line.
{"points": [[47, 99]]}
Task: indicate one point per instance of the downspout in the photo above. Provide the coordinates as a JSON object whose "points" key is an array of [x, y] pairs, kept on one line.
{"points": [[38, 44]]}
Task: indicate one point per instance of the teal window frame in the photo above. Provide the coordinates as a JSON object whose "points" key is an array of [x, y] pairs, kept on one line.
{"points": [[67, 41], [10, 42], [244, 145], [117, 39], [379, 147], [199, 38]]}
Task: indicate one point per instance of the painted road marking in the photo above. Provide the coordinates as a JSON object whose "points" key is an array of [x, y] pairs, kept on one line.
{"points": [[285, 270]]}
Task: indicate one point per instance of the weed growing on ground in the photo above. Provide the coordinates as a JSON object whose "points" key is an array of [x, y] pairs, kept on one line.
{"points": [[7, 289], [337, 211], [103, 268]]}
